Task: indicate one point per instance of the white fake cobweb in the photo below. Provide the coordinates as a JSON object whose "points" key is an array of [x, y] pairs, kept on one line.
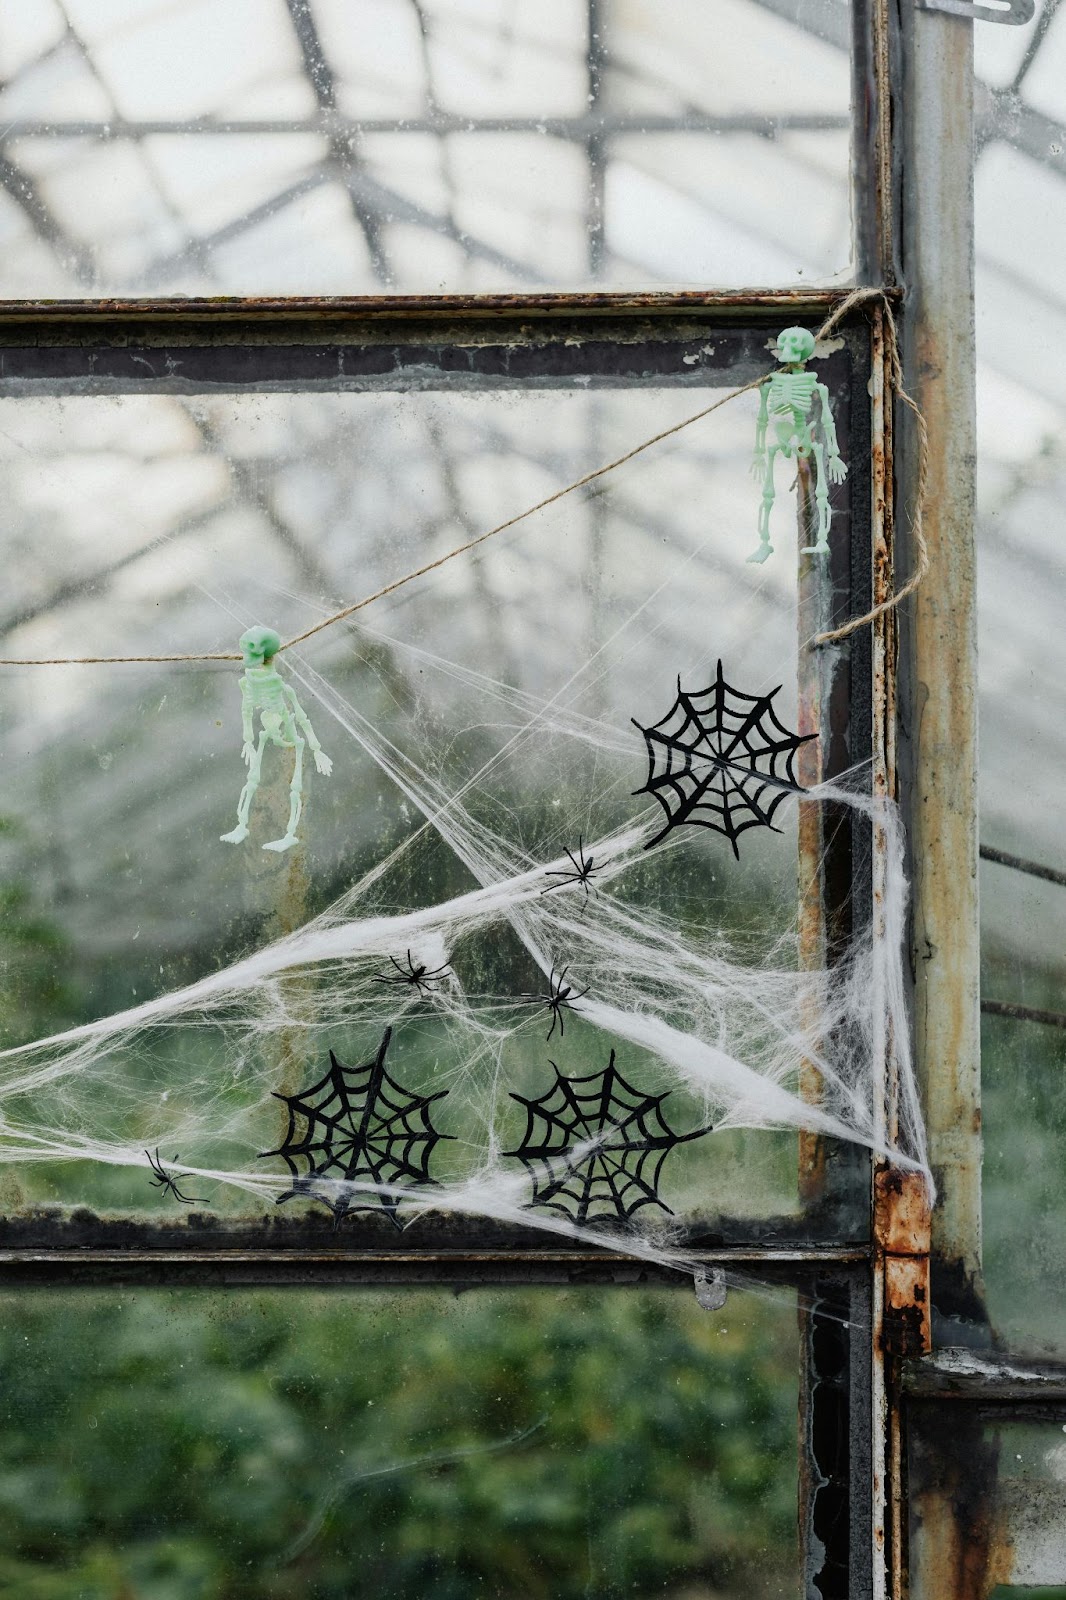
{"points": [[725, 1025], [468, 799]]}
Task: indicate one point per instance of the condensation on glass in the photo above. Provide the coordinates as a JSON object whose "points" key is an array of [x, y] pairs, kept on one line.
{"points": [[312, 147]]}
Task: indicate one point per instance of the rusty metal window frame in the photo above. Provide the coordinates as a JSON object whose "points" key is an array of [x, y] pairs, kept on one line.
{"points": [[827, 1255], [864, 1313], [185, 349]]}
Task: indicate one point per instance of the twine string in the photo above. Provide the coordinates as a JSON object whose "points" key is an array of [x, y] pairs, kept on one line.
{"points": [[471, 544], [855, 298], [917, 528]]}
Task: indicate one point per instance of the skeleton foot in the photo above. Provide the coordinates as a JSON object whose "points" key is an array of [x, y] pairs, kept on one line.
{"points": [[761, 554], [282, 844], [238, 836], [820, 547]]}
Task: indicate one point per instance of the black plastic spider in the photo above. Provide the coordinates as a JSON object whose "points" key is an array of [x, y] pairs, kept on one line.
{"points": [[583, 873], [420, 978], [560, 995], [168, 1181]]}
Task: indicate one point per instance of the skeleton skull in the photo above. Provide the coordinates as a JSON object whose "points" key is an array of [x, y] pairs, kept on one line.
{"points": [[795, 345], [259, 646]]}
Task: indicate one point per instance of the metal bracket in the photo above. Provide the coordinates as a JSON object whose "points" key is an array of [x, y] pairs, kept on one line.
{"points": [[901, 1237], [1013, 12]]}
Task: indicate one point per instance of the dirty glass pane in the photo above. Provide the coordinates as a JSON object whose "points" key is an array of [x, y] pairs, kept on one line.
{"points": [[1021, 318], [167, 524], [427, 146], [412, 1447], [1009, 1504]]}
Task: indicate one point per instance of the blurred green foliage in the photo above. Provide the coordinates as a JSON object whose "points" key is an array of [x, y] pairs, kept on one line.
{"points": [[569, 1445]]}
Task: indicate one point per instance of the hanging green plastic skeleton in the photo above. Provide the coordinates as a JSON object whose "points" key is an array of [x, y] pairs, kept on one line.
{"points": [[283, 722], [786, 402]]}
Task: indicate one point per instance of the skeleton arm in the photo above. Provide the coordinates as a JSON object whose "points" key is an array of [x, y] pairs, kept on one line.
{"points": [[322, 761], [759, 458], [247, 723], [834, 466]]}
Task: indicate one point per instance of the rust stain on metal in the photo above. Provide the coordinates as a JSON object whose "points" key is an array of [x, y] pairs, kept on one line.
{"points": [[901, 1212], [962, 1552], [905, 1327], [902, 1223]]}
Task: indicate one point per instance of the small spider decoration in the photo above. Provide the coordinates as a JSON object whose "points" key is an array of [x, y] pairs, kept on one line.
{"points": [[420, 978], [168, 1181], [583, 873], [560, 995]]}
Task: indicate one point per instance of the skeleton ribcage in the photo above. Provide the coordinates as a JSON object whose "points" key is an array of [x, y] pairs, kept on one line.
{"points": [[791, 392]]}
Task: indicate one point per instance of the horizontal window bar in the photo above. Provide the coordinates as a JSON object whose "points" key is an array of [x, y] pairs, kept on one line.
{"points": [[1003, 858], [1007, 1008]]}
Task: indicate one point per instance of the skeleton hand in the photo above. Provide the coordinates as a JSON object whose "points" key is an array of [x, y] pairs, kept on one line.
{"points": [[836, 469], [322, 763], [758, 466], [247, 752]]}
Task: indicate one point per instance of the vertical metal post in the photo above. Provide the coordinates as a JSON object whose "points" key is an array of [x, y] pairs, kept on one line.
{"points": [[938, 747], [938, 697]]}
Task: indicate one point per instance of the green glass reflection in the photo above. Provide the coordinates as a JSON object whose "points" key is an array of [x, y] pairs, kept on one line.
{"points": [[1010, 1591], [533, 1443], [1023, 1072]]}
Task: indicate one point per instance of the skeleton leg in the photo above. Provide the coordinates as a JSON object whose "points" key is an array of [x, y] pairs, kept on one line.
{"points": [[296, 803], [765, 547], [821, 500], [244, 804]]}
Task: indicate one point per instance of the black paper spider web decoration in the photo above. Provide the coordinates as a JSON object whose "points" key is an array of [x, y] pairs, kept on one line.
{"points": [[359, 1126], [596, 1142], [720, 759]]}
